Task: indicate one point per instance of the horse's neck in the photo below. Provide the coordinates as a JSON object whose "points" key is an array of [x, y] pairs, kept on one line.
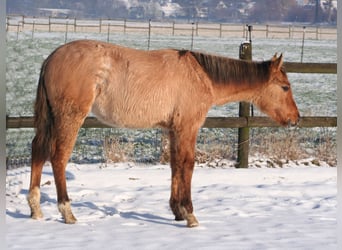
{"points": [[235, 92]]}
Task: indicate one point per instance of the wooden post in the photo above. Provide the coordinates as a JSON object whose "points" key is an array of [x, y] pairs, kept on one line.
{"points": [[124, 26], [192, 36], [173, 28], [33, 27], [66, 30], [317, 32], [196, 28], [220, 30], [289, 31], [149, 35], [303, 40], [108, 31], [245, 53]]}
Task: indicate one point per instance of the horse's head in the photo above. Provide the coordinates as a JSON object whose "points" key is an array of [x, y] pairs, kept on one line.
{"points": [[276, 99]]}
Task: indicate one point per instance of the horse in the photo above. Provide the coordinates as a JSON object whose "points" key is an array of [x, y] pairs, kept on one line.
{"points": [[125, 87]]}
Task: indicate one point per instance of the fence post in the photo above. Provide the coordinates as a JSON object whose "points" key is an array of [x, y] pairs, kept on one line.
{"points": [[245, 53], [192, 37], [149, 35], [66, 30], [108, 31], [289, 31], [317, 32], [124, 26], [303, 40], [33, 24], [220, 30], [196, 28], [22, 23], [173, 28]]}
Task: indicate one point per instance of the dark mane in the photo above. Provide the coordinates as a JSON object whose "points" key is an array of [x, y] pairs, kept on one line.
{"points": [[228, 70]]}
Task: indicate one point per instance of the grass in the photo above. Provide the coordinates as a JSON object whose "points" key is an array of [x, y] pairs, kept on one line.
{"points": [[283, 145], [275, 145]]}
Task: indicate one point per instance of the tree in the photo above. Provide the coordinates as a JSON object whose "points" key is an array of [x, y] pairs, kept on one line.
{"points": [[270, 10]]}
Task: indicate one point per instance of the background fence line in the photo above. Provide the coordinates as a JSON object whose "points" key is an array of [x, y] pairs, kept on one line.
{"points": [[53, 24]]}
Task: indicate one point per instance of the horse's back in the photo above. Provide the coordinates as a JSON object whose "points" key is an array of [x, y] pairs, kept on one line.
{"points": [[121, 86]]}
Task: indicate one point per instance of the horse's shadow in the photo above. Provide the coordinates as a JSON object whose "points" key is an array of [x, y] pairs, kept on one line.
{"points": [[141, 217], [17, 214], [147, 217], [68, 175], [105, 210]]}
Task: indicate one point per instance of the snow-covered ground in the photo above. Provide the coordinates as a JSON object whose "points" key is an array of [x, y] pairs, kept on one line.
{"points": [[125, 206]]}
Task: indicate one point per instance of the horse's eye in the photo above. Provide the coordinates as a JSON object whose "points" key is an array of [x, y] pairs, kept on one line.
{"points": [[285, 88]]}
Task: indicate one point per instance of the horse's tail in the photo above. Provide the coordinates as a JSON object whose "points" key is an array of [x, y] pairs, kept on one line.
{"points": [[43, 121]]}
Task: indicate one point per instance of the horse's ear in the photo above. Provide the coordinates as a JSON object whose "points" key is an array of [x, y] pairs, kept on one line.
{"points": [[274, 57], [277, 62]]}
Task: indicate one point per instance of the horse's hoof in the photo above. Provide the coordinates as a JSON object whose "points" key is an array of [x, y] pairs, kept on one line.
{"points": [[179, 218], [70, 219], [33, 200], [66, 212], [37, 215], [192, 221]]}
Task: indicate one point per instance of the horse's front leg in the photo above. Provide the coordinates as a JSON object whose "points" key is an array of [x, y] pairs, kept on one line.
{"points": [[182, 148]]}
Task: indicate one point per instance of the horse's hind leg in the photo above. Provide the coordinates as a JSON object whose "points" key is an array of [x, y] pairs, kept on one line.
{"points": [[66, 130], [37, 163]]}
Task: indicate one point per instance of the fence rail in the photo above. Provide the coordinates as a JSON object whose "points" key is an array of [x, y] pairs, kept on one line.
{"points": [[318, 68], [54, 24], [210, 122]]}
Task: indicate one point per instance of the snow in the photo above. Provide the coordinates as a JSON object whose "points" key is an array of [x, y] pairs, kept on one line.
{"points": [[125, 206]]}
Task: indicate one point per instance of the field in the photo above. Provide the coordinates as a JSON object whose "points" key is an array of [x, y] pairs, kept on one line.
{"points": [[125, 206], [283, 201]]}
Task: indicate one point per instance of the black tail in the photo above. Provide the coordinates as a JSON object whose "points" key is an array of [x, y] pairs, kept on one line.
{"points": [[43, 121]]}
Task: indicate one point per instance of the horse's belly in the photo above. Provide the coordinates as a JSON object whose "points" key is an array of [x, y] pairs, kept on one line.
{"points": [[130, 118]]}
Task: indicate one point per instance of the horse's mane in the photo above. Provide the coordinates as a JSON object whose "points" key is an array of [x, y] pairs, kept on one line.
{"points": [[227, 70]]}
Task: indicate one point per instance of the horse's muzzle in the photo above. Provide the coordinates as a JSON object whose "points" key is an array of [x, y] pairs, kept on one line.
{"points": [[294, 123]]}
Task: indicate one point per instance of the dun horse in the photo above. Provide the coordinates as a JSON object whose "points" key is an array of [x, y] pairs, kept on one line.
{"points": [[172, 89]]}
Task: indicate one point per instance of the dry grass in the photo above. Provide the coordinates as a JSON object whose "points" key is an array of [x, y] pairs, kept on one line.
{"points": [[115, 151], [276, 145], [281, 145]]}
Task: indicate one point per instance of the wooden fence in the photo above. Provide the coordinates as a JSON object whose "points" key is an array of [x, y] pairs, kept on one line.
{"points": [[52, 24], [210, 122]]}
